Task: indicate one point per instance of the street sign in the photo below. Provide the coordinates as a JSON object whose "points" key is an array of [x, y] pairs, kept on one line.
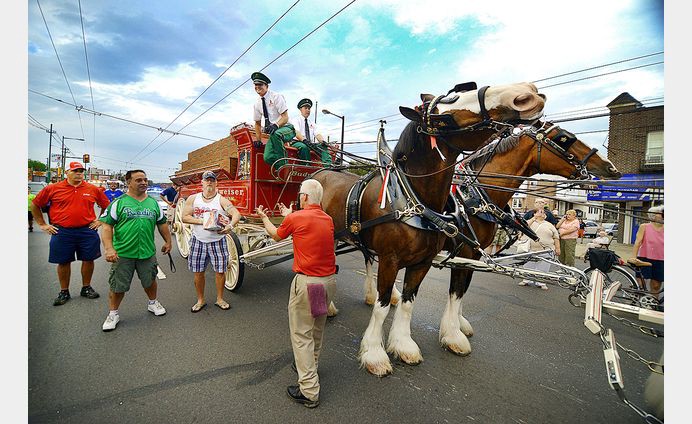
{"points": [[56, 158]]}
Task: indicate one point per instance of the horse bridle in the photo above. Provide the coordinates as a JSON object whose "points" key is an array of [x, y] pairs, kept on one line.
{"points": [[560, 147], [441, 125]]}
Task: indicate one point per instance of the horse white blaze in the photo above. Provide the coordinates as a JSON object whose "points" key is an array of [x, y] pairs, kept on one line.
{"points": [[451, 336], [372, 354], [530, 107], [400, 342]]}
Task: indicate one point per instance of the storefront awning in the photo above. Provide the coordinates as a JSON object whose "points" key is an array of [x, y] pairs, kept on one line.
{"points": [[631, 187]]}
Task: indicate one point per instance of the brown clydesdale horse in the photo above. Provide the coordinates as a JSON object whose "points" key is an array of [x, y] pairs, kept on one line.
{"points": [[398, 245], [545, 149]]}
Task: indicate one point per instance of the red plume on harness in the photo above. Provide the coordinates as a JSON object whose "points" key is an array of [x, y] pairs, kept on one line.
{"points": [[382, 198], [433, 145]]}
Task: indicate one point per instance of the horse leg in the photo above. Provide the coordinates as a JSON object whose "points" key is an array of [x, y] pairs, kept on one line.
{"points": [[400, 342], [372, 354], [464, 324], [451, 336], [370, 289], [369, 284]]}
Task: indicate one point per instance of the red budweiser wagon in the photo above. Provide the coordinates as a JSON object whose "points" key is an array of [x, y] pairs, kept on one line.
{"points": [[247, 181]]}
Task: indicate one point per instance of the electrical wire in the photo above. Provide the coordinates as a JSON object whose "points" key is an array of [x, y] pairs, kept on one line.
{"points": [[221, 75], [83, 109], [91, 92], [60, 63], [262, 69]]}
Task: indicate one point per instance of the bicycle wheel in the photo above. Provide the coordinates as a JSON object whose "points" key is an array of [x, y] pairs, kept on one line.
{"points": [[626, 279], [616, 273]]}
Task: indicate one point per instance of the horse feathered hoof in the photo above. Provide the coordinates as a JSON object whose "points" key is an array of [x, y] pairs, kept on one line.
{"points": [[411, 359], [461, 349], [379, 370], [376, 361]]}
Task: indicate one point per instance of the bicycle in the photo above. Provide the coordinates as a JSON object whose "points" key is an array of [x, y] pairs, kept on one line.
{"points": [[628, 274]]}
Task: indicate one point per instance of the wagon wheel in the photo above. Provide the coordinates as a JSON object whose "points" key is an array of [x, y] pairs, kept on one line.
{"points": [[183, 232], [236, 269]]}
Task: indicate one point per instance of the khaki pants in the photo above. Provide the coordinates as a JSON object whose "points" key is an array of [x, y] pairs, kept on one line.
{"points": [[567, 248], [307, 332]]}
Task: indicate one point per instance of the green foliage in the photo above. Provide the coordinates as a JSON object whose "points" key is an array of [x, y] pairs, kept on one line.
{"points": [[361, 170], [36, 165]]}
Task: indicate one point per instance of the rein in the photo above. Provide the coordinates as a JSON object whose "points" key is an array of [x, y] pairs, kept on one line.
{"points": [[540, 136]]}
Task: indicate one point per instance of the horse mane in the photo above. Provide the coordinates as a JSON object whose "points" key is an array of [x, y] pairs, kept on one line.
{"points": [[486, 153], [408, 141]]}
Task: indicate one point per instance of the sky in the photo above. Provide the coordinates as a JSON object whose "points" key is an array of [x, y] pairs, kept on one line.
{"points": [[146, 62]]}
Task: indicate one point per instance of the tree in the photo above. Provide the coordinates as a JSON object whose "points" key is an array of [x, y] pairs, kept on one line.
{"points": [[36, 165]]}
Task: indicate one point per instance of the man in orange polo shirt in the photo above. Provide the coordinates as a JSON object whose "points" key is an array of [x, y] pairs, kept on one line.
{"points": [[313, 287], [73, 227]]}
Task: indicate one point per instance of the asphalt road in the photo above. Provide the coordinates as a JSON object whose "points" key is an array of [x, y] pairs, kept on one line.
{"points": [[533, 361]]}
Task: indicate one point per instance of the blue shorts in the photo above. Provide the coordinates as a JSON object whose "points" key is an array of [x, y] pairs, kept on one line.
{"points": [[655, 271], [68, 242], [201, 253]]}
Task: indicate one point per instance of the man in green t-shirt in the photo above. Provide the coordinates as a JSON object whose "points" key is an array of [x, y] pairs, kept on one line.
{"points": [[31, 216], [128, 238]]}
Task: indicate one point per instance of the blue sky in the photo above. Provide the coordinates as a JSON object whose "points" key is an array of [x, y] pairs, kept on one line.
{"points": [[149, 60]]}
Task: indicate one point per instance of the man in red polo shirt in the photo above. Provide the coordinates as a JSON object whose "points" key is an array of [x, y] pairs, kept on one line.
{"points": [[313, 287], [73, 227]]}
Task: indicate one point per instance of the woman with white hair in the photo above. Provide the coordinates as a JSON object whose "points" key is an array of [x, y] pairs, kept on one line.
{"points": [[648, 247], [548, 238]]}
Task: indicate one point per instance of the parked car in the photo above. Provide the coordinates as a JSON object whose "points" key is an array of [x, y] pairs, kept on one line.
{"points": [[36, 186], [611, 228], [590, 229], [156, 194]]}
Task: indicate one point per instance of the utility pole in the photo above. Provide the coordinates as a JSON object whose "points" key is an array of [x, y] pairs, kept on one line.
{"points": [[50, 142]]}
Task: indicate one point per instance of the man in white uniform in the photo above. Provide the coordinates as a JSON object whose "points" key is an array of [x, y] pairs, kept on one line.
{"points": [[307, 134]]}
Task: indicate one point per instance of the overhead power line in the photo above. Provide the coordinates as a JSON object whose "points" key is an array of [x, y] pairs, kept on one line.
{"points": [[83, 109], [262, 69], [219, 77], [60, 63], [91, 92], [597, 67], [600, 75]]}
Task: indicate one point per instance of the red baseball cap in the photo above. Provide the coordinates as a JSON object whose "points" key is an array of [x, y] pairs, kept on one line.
{"points": [[75, 166]]}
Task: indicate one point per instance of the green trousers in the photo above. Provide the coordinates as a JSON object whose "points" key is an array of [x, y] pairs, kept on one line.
{"points": [[319, 148], [274, 150]]}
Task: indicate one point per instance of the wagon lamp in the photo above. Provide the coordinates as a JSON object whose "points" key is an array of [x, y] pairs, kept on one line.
{"points": [[343, 120], [63, 150]]}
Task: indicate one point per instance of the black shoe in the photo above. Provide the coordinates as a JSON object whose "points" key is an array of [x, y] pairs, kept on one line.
{"points": [[295, 394], [89, 292], [31, 229], [62, 298]]}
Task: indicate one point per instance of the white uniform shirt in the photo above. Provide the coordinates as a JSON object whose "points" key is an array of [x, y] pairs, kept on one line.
{"points": [[299, 125], [276, 105]]}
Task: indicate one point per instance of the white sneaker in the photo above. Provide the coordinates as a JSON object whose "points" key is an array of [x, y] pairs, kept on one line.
{"points": [[111, 322], [156, 308]]}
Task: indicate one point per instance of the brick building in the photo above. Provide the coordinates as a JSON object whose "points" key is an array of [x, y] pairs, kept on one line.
{"points": [[635, 146], [219, 154]]}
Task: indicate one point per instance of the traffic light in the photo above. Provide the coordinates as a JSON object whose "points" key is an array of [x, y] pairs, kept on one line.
{"points": [[85, 158]]}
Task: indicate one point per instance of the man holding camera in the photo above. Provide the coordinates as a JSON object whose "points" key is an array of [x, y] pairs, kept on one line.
{"points": [[271, 107]]}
